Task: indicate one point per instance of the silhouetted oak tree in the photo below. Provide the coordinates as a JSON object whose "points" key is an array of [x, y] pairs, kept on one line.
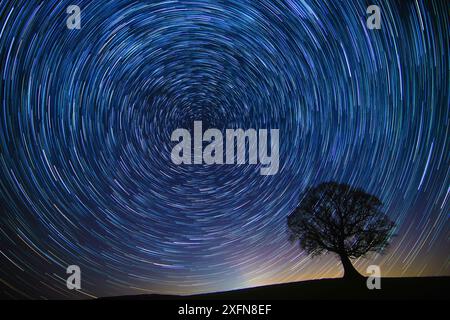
{"points": [[337, 218]]}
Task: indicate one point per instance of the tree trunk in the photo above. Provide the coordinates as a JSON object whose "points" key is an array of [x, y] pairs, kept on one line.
{"points": [[350, 273]]}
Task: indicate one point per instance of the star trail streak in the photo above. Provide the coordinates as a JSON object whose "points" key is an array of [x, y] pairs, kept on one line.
{"points": [[86, 117]]}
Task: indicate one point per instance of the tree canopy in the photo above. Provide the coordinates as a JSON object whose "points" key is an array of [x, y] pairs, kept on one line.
{"points": [[333, 217]]}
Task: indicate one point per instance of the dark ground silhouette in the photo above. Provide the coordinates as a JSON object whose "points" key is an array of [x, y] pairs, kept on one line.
{"points": [[334, 289]]}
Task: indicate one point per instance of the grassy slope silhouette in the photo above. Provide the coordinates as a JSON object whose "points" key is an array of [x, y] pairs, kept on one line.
{"points": [[391, 288]]}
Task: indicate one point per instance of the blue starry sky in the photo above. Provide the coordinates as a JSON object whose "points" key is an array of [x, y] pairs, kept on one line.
{"points": [[86, 117]]}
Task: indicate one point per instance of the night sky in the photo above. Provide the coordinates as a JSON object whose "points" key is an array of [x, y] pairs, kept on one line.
{"points": [[86, 116]]}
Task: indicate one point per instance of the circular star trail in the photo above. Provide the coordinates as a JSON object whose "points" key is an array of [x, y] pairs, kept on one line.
{"points": [[86, 117]]}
